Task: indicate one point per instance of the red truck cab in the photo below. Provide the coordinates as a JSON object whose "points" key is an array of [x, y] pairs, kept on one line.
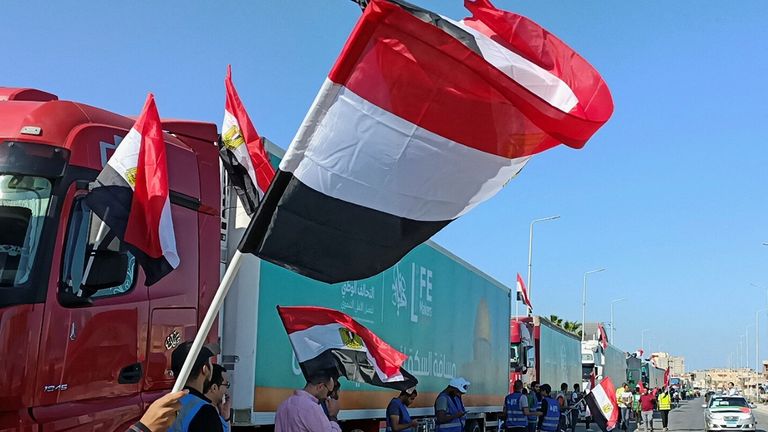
{"points": [[88, 350]]}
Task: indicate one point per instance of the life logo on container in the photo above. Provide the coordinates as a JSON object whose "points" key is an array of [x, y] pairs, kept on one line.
{"points": [[421, 291]]}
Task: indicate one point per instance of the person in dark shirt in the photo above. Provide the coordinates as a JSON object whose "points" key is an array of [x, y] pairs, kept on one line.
{"points": [[197, 413], [398, 417]]}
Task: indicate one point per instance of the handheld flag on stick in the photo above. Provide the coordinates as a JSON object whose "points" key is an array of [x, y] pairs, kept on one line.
{"points": [[421, 119], [666, 377], [131, 196], [326, 339], [242, 151], [603, 406], [522, 292]]}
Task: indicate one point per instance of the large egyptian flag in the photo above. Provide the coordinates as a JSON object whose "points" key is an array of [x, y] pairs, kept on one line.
{"points": [[421, 119], [602, 404], [331, 341], [131, 196], [242, 151]]}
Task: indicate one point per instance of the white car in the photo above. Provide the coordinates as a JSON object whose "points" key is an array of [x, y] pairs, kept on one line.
{"points": [[729, 413]]}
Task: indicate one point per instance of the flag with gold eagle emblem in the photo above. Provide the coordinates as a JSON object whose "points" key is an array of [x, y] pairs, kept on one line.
{"points": [[242, 151], [330, 341], [601, 401]]}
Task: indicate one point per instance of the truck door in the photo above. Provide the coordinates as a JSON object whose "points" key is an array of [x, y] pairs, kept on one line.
{"points": [[94, 331]]}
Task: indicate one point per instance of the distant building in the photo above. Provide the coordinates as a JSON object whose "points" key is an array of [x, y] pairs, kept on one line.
{"points": [[676, 364]]}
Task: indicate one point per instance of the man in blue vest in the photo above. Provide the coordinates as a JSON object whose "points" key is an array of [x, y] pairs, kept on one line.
{"points": [[550, 421], [398, 418], [197, 414], [449, 409], [516, 411]]}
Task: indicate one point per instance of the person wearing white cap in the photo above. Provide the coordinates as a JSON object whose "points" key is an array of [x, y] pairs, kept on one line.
{"points": [[449, 409]]}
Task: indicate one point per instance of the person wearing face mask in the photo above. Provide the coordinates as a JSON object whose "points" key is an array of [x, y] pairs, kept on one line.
{"points": [[302, 412], [197, 413]]}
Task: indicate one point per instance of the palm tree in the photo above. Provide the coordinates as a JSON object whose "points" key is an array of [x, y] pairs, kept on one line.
{"points": [[573, 327], [556, 320]]}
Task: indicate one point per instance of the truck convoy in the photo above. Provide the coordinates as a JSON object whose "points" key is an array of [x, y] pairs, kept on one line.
{"points": [[602, 362], [542, 351], [90, 353], [652, 376]]}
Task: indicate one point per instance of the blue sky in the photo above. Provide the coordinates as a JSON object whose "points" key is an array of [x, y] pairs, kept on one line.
{"points": [[669, 196]]}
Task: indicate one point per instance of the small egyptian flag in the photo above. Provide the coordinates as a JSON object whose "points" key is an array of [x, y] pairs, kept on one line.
{"points": [[328, 340], [242, 151], [602, 404], [522, 292], [131, 195]]}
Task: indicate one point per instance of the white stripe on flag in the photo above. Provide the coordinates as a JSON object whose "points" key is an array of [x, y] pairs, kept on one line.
{"points": [[126, 157], [167, 236], [367, 156], [313, 341], [241, 152], [603, 401], [526, 73]]}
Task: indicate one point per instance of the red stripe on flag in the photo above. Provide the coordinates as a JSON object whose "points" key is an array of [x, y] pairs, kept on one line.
{"points": [[151, 187], [422, 74], [297, 318], [528, 39], [523, 291], [253, 142], [610, 393]]}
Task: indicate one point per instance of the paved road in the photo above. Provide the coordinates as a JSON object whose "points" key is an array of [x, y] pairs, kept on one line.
{"points": [[689, 416]]}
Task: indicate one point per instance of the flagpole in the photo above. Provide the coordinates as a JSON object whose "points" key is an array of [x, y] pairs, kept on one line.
{"points": [[210, 317]]}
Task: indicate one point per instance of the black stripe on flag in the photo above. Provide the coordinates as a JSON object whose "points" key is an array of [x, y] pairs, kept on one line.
{"points": [[296, 226], [598, 415], [240, 180], [438, 21], [354, 366], [110, 199]]}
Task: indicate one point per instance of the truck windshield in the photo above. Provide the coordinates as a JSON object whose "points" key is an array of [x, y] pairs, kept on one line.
{"points": [[23, 205]]}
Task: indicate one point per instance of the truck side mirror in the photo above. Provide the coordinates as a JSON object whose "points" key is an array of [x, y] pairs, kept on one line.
{"points": [[108, 270]]}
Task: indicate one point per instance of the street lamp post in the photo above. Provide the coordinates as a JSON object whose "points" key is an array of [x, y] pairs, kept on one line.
{"points": [[530, 250], [746, 345], [757, 339], [612, 303], [642, 339], [584, 301], [738, 352]]}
